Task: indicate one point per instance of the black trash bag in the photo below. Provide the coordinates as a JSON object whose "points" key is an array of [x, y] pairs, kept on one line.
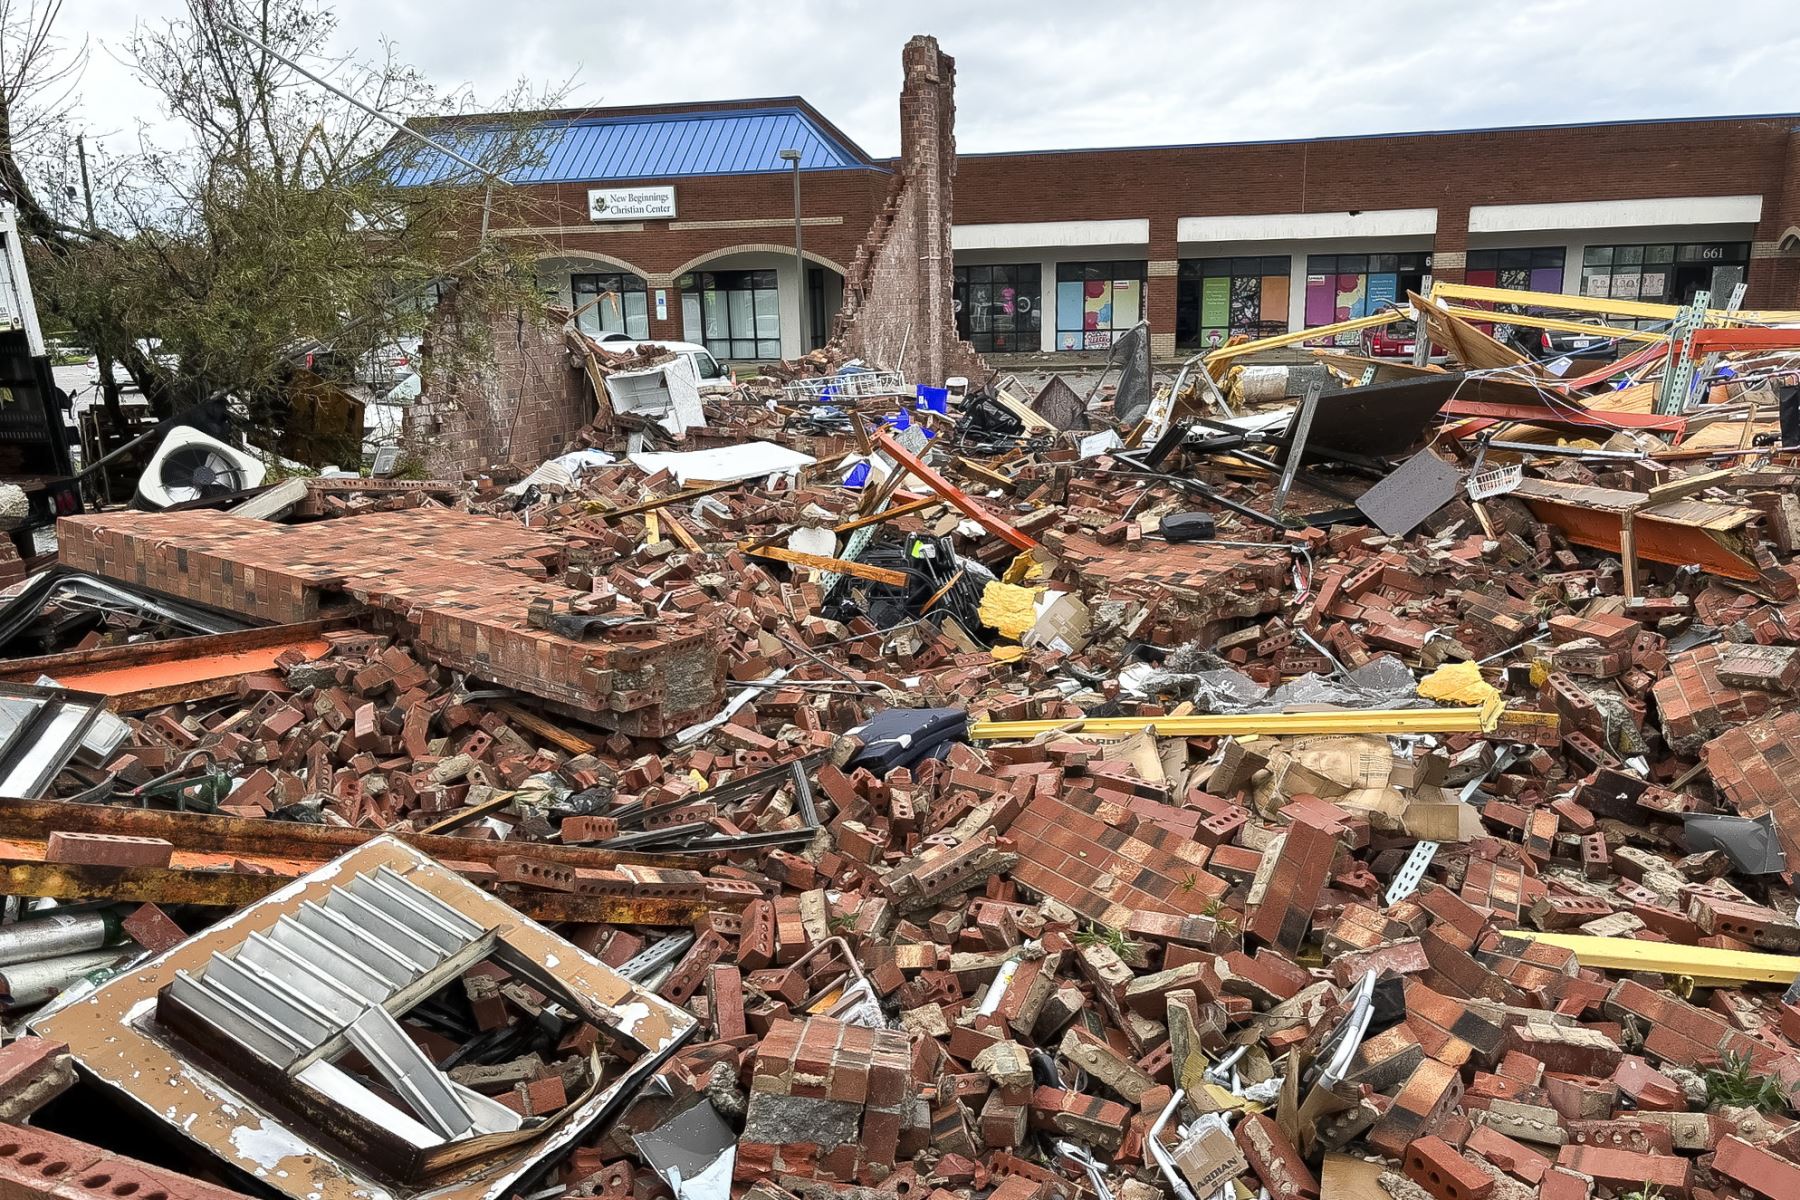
{"points": [[904, 737]]}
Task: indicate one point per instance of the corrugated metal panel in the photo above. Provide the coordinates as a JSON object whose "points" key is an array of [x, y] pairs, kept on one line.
{"points": [[685, 144]]}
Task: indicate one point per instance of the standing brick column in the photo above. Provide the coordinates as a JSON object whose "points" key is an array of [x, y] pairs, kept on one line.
{"points": [[1450, 247], [1774, 255], [897, 296], [1160, 287]]}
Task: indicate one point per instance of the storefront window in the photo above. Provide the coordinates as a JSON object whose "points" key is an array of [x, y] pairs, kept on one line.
{"points": [[614, 302], [998, 307], [1218, 297], [734, 314], [1665, 273], [1535, 270], [1342, 287], [1096, 302]]}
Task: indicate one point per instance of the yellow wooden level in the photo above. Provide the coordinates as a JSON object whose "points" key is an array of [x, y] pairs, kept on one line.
{"points": [[1705, 965], [1537, 322], [1227, 353], [1379, 720], [1596, 304]]}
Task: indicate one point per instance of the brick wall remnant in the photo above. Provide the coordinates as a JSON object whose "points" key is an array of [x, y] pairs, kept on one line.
{"points": [[499, 387], [897, 310]]}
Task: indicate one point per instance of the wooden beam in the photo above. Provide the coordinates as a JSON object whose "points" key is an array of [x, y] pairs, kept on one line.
{"points": [[985, 473], [548, 730], [901, 510], [463, 816], [631, 510], [1687, 485], [840, 566], [1032, 422]]}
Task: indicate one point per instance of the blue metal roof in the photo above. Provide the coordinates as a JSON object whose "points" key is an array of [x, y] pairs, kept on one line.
{"points": [[726, 142]]}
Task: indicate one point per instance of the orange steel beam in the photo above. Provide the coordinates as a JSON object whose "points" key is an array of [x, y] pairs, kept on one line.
{"points": [[1631, 362], [1657, 540], [139, 676], [955, 495], [173, 673], [1747, 338]]}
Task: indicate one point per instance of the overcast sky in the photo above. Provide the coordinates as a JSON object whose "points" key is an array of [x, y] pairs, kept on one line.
{"points": [[1039, 74]]}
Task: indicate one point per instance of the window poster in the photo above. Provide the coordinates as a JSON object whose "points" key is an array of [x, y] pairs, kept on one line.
{"points": [[1215, 301]]}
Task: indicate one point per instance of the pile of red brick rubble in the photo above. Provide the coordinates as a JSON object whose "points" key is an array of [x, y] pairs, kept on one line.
{"points": [[970, 836]]}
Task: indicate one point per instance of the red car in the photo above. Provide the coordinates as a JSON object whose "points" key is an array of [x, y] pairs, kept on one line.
{"points": [[1391, 341]]}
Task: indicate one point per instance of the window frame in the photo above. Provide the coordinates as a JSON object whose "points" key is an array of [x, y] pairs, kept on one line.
{"points": [[753, 293], [1111, 272], [1365, 264], [1661, 259], [1027, 336], [634, 322], [1238, 270]]}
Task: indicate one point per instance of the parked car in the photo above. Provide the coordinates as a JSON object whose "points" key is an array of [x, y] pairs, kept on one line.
{"points": [[151, 348], [385, 366], [1547, 344], [1397, 340], [705, 365]]}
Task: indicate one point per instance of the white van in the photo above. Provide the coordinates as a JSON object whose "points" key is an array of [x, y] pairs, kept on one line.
{"points": [[706, 368]]}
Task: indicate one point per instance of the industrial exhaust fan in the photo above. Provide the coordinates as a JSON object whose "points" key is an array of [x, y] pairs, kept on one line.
{"points": [[190, 465]]}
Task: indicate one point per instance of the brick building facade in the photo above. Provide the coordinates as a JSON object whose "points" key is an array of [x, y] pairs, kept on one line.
{"points": [[1061, 250]]}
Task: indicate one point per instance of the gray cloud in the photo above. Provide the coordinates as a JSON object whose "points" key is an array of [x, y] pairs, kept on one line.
{"points": [[1053, 74]]}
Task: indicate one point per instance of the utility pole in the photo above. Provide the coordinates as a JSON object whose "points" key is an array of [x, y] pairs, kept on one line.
{"points": [[792, 158], [109, 387]]}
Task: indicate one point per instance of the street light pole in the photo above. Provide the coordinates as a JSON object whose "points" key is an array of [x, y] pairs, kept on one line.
{"points": [[792, 157]]}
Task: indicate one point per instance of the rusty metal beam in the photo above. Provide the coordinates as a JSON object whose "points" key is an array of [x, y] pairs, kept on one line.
{"points": [[606, 910], [219, 834], [229, 889], [139, 885], [212, 887], [1569, 413]]}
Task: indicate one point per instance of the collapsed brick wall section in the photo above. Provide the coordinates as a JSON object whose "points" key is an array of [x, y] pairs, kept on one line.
{"points": [[459, 585], [503, 390], [897, 309]]}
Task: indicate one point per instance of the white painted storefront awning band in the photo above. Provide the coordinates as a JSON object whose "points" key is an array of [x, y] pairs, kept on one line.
{"points": [[1028, 234], [1616, 214], [1288, 227]]}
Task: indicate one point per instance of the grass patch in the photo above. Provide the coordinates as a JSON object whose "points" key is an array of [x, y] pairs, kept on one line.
{"points": [[1737, 1085], [1113, 939]]}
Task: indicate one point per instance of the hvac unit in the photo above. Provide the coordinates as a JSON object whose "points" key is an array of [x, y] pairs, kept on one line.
{"points": [[190, 465]]}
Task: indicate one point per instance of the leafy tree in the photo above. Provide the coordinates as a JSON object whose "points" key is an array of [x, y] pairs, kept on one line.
{"points": [[262, 221]]}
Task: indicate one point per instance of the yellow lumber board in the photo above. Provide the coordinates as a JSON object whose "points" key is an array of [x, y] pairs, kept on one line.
{"points": [[1567, 326], [1702, 964], [1225, 353], [1381, 720], [1594, 304], [840, 566]]}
